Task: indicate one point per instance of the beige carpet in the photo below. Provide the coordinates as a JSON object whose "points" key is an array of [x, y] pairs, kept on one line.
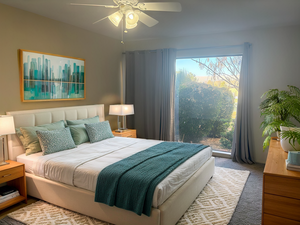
{"points": [[215, 205]]}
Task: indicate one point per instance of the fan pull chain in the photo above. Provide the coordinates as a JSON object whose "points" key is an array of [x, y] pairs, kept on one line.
{"points": [[123, 31]]}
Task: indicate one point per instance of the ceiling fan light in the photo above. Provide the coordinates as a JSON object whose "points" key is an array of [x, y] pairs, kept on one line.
{"points": [[132, 18], [116, 18], [130, 26]]}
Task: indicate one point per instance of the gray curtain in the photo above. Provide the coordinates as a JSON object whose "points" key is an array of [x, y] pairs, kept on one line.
{"points": [[241, 145], [150, 84]]}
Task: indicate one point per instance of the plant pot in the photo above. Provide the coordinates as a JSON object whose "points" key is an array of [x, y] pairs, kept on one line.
{"points": [[278, 135], [286, 146]]}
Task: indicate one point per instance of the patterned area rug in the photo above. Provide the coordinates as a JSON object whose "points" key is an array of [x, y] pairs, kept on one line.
{"points": [[217, 201], [214, 206]]}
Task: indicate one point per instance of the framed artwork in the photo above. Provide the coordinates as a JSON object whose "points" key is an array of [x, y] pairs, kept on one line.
{"points": [[51, 77]]}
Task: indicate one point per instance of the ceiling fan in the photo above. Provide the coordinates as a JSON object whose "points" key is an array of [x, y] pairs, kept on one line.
{"points": [[131, 11]]}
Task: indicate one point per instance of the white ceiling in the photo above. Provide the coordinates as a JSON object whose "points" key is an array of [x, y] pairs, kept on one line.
{"points": [[197, 16]]}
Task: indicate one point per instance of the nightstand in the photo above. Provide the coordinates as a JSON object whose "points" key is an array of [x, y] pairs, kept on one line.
{"points": [[131, 133], [14, 175]]}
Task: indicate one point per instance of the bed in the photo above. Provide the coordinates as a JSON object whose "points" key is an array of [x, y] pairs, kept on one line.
{"points": [[169, 201]]}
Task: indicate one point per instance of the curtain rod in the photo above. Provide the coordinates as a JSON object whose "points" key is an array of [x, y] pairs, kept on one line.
{"points": [[224, 46], [186, 49]]}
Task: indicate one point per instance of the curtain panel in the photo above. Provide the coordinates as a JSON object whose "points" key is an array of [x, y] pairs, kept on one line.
{"points": [[241, 145], [150, 86]]}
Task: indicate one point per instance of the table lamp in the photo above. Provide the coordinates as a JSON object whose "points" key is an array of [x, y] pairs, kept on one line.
{"points": [[7, 126], [121, 110]]}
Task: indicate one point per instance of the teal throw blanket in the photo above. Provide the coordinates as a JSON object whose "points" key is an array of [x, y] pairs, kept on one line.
{"points": [[130, 183]]}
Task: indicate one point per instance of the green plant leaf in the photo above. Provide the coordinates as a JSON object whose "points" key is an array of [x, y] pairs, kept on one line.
{"points": [[270, 93], [294, 90], [277, 109], [266, 142]]}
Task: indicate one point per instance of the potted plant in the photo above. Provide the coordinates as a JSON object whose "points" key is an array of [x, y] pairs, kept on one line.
{"points": [[278, 109], [290, 138]]}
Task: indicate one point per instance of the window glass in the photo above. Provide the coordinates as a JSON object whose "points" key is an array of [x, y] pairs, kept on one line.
{"points": [[206, 100]]}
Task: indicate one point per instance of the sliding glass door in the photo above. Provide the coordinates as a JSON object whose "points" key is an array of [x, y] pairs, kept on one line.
{"points": [[206, 100]]}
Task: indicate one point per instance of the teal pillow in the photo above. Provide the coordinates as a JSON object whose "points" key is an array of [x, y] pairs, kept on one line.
{"points": [[84, 121], [79, 134], [55, 140], [99, 131], [54, 126], [29, 138]]}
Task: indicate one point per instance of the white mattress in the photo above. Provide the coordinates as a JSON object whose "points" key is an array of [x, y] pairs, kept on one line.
{"points": [[114, 149]]}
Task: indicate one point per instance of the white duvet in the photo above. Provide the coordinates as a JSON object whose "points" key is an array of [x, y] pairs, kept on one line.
{"points": [[80, 166]]}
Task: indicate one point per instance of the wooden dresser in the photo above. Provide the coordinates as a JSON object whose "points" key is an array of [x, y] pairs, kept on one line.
{"points": [[281, 189]]}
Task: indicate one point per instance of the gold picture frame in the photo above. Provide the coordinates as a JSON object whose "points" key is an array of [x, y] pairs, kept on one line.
{"points": [[51, 77]]}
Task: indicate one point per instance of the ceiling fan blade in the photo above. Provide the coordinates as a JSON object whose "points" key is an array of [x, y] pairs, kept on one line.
{"points": [[114, 16], [101, 19], [145, 19], [106, 6], [160, 6]]}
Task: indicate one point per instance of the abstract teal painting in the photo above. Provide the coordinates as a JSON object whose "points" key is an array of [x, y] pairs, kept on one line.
{"points": [[51, 77]]}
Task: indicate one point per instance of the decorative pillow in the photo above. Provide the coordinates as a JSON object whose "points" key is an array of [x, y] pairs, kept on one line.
{"points": [[29, 138], [99, 131], [79, 134], [54, 126], [55, 140], [20, 135], [84, 121]]}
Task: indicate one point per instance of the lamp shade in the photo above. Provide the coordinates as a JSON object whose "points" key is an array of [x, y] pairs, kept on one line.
{"points": [[7, 125], [130, 26], [121, 110], [116, 18], [131, 19]]}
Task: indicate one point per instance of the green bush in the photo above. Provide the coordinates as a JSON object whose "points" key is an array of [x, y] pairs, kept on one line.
{"points": [[225, 143], [228, 135], [226, 139], [204, 110]]}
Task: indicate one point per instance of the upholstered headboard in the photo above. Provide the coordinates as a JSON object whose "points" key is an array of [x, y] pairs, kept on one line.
{"points": [[37, 117]]}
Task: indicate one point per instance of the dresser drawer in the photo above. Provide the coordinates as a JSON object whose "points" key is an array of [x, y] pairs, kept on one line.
{"points": [[275, 220], [10, 174], [281, 206], [282, 186]]}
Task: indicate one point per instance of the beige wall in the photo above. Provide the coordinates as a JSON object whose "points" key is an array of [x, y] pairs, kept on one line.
{"points": [[275, 63], [24, 30]]}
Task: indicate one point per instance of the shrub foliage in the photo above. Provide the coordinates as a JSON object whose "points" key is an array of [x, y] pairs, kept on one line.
{"points": [[204, 111]]}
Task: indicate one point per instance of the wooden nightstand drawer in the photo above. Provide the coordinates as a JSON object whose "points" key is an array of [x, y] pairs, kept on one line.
{"points": [[128, 133], [283, 207], [131, 134], [282, 186], [10, 174]]}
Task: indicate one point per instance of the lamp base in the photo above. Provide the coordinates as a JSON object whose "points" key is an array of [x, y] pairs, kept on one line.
{"points": [[3, 163], [120, 130]]}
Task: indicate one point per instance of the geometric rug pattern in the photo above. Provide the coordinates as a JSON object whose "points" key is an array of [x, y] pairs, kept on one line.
{"points": [[214, 205], [42, 213]]}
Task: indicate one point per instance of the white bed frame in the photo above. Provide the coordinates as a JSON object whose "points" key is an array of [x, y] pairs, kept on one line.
{"points": [[82, 201]]}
